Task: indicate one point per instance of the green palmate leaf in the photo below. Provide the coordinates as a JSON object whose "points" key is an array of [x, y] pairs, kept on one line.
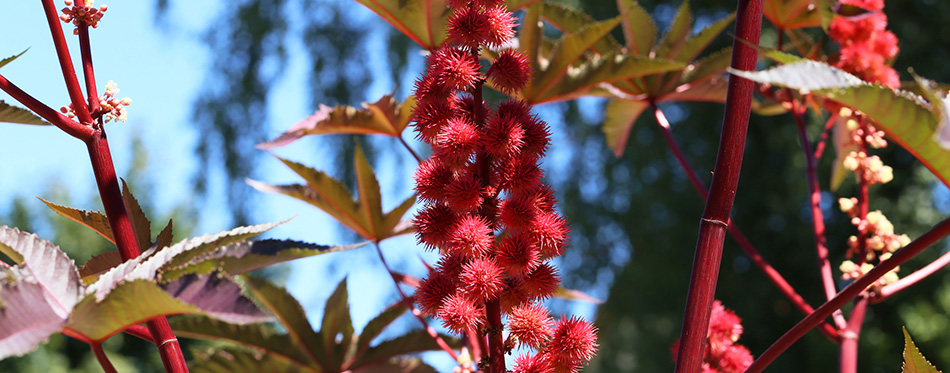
{"points": [[92, 219], [793, 14], [243, 257], [7, 60], [230, 360], [639, 30], [98, 265], [903, 116], [423, 21], [140, 224], [36, 294], [914, 361], [365, 217], [409, 343], [377, 324], [707, 67], [571, 21], [260, 337], [568, 50], [290, 315], [337, 323], [826, 10], [675, 37], [610, 68], [13, 114], [132, 302], [620, 117], [697, 43], [384, 117]]}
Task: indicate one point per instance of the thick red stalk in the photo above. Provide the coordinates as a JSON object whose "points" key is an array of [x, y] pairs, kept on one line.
{"points": [[88, 74], [848, 350], [102, 358], [66, 63], [770, 272], [913, 278], [71, 127], [139, 331], [900, 257], [817, 217], [713, 225]]}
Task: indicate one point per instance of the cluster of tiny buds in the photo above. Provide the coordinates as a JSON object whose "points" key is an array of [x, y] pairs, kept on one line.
{"points": [[851, 270], [487, 210], [870, 135], [87, 14], [880, 242], [869, 168], [111, 107]]}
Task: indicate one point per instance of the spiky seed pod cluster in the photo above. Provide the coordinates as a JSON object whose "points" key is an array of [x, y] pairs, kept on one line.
{"points": [[486, 209], [866, 44]]}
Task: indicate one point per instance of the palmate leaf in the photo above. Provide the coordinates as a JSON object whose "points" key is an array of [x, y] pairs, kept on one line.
{"points": [[95, 220], [639, 30], [404, 365], [13, 114], [619, 120], [793, 14], [570, 20], [914, 361], [384, 117], [231, 359], [99, 264], [243, 257], [290, 315], [567, 50], [36, 294], [365, 216], [412, 342], [260, 337], [337, 322], [423, 21], [904, 117]]}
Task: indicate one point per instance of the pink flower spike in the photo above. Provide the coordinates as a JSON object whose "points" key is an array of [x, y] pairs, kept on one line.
{"points": [[574, 343], [532, 324]]}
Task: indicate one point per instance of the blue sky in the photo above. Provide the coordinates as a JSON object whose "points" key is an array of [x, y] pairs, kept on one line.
{"points": [[162, 71]]}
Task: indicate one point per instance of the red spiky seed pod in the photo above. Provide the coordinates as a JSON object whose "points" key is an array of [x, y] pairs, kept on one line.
{"points": [[432, 292], [519, 174], [435, 225], [457, 141], [457, 69], [531, 324], [550, 232], [430, 117], [514, 294], [573, 344], [465, 192], [510, 71], [431, 177], [482, 279], [541, 282], [469, 27], [503, 138], [517, 254], [450, 264], [459, 314], [532, 363], [544, 199], [471, 237], [518, 211], [501, 26]]}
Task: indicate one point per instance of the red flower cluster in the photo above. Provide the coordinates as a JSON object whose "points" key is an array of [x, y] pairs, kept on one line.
{"points": [[85, 14], [723, 354], [866, 45], [486, 208]]}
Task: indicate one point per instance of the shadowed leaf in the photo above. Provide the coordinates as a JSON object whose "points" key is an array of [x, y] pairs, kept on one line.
{"points": [[567, 51], [513, 5], [140, 224], [13, 114], [404, 365], [260, 337], [290, 314], [793, 14], [675, 37], [571, 20], [377, 324], [384, 117], [230, 360], [337, 323], [164, 237], [904, 117], [411, 342], [639, 30], [92, 219], [98, 265], [914, 361], [620, 118]]}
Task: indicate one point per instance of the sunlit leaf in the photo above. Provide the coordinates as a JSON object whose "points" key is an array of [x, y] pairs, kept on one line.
{"points": [[610, 68], [260, 337], [698, 42], [714, 64], [92, 219], [98, 265], [571, 294], [904, 117], [231, 359], [792, 14], [7, 60], [567, 51], [639, 30], [377, 324], [49, 266], [423, 21], [675, 37], [13, 114], [841, 139], [709, 90], [384, 117], [337, 324], [140, 224], [243, 257], [914, 361], [620, 117], [570, 21], [290, 314]]}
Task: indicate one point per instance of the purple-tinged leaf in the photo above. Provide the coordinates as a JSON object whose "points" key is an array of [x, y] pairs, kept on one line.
{"points": [[95, 220], [216, 296], [384, 117], [243, 257], [46, 263], [27, 317]]}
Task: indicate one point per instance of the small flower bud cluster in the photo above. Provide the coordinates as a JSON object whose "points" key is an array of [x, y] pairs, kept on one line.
{"points": [[113, 108], [86, 14], [723, 354], [486, 209], [870, 168], [866, 45]]}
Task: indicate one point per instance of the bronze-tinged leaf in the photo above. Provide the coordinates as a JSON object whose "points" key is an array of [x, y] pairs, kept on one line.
{"points": [[675, 37], [337, 323], [98, 265], [95, 220], [571, 20], [792, 14], [384, 117], [423, 21], [140, 224], [639, 30], [620, 117], [567, 52]]}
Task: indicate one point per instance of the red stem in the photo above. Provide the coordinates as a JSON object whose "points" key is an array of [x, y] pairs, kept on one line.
{"points": [[413, 152], [713, 225], [415, 312], [139, 331], [900, 257], [88, 74], [817, 217], [820, 147], [66, 63], [913, 278], [71, 127], [101, 356], [770, 272], [848, 350]]}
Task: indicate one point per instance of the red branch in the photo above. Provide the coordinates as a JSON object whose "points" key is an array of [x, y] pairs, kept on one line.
{"points": [[101, 357], [59, 120], [770, 272], [900, 257], [66, 63], [913, 278], [713, 225]]}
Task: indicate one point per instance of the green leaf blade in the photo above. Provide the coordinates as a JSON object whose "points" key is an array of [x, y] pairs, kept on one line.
{"points": [[914, 361]]}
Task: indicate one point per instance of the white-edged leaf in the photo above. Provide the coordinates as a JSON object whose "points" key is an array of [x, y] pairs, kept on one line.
{"points": [[49, 266]]}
